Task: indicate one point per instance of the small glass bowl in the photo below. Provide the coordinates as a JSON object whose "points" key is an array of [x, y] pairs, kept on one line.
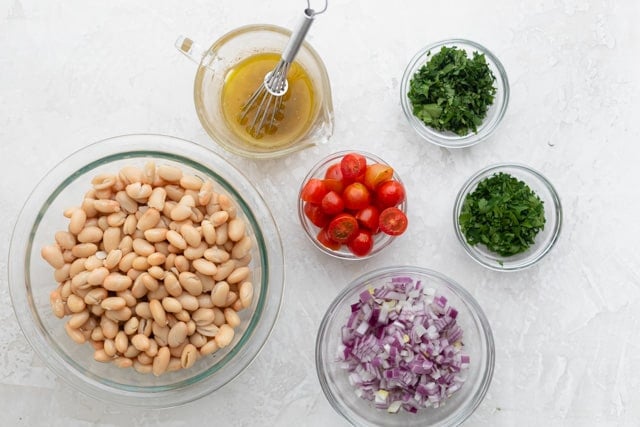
{"points": [[380, 240], [478, 344], [31, 278], [495, 113], [545, 239]]}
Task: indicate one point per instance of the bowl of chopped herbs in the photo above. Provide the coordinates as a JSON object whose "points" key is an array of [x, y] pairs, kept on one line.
{"points": [[454, 93], [507, 217]]}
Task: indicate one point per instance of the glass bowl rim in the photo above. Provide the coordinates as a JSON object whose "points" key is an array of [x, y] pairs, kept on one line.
{"points": [[227, 176], [440, 138], [472, 181], [483, 325], [304, 222]]}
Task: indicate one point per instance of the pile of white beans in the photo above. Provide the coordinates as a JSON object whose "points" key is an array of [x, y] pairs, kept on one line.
{"points": [[153, 269]]}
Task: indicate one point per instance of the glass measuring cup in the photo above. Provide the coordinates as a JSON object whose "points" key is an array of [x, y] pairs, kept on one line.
{"points": [[230, 49]]}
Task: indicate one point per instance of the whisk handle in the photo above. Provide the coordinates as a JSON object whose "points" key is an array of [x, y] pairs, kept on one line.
{"points": [[297, 37]]}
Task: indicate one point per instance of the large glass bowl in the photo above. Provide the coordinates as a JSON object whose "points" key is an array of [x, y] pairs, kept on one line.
{"points": [[478, 344], [31, 278], [546, 238], [494, 114]]}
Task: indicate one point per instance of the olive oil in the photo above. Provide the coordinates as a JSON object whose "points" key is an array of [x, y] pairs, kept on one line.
{"points": [[294, 118]]}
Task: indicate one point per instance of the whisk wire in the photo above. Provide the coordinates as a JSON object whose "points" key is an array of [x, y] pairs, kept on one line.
{"points": [[260, 115], [270, 93]]}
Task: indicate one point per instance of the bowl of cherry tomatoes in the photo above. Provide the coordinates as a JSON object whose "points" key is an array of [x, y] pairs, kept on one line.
{"points": [[352, 204]]}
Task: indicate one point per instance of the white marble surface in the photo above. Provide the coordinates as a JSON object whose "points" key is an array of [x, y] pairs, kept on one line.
{"points": [[567, 353]]}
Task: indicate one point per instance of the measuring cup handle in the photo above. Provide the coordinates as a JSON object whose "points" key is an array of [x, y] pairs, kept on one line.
{"points": [[189, 48]]}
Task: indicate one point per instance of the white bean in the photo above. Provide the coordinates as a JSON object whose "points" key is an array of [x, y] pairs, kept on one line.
{"points": [[219, 294], [149, 219], [90, 235], [224, 336], [65, 239], [246, 294], [236, 229], [53, 255], [111, 238], [169, 173], [177, 334], [78, 219]]}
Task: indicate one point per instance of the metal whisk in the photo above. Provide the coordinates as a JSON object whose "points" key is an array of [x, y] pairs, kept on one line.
{"points": [[267, 99]]}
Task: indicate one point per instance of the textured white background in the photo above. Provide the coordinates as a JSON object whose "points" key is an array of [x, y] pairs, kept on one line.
{"points": [[73, 72]]}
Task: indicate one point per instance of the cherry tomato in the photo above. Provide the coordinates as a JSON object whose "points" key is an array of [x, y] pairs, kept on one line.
{"points": [[362, 244], [376, 174], [323, 237], [333, 185], [369, 217], [342, 228], [332, 203], [393, 221], [313, 191], [356, 196], [352, 166], [334, 172], [390, 193], [316, 215]]}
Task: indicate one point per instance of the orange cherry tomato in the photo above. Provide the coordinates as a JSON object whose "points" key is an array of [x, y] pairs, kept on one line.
{"points": [[376, 174]]}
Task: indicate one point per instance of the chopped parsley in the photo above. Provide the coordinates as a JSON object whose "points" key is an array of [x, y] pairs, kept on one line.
{"points": [[502, 213], [453, 92]]}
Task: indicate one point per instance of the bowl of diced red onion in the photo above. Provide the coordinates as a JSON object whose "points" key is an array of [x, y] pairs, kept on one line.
{"points": [[405, 346]]}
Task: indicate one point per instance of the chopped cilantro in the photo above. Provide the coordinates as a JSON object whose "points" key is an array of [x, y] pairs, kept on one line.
{"points": [[453, 92], [502, 213]]}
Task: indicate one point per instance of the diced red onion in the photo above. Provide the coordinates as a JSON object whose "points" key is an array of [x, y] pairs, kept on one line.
{"points": [[402, 346], [365, 296]]}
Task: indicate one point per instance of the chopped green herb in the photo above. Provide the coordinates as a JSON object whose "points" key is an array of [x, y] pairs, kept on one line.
{"points": [[502, 213], [453, 92]]}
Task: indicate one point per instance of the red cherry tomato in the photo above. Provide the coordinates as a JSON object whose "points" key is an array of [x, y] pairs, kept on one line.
{"points": [[390, 193], [316, 215], [352, 166], [356, 196], [334, 172], [332, 203], [362, 244], [324, 239], [393, 221], [342, 228], [376, 174], [313, 191], [369, 217]]}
